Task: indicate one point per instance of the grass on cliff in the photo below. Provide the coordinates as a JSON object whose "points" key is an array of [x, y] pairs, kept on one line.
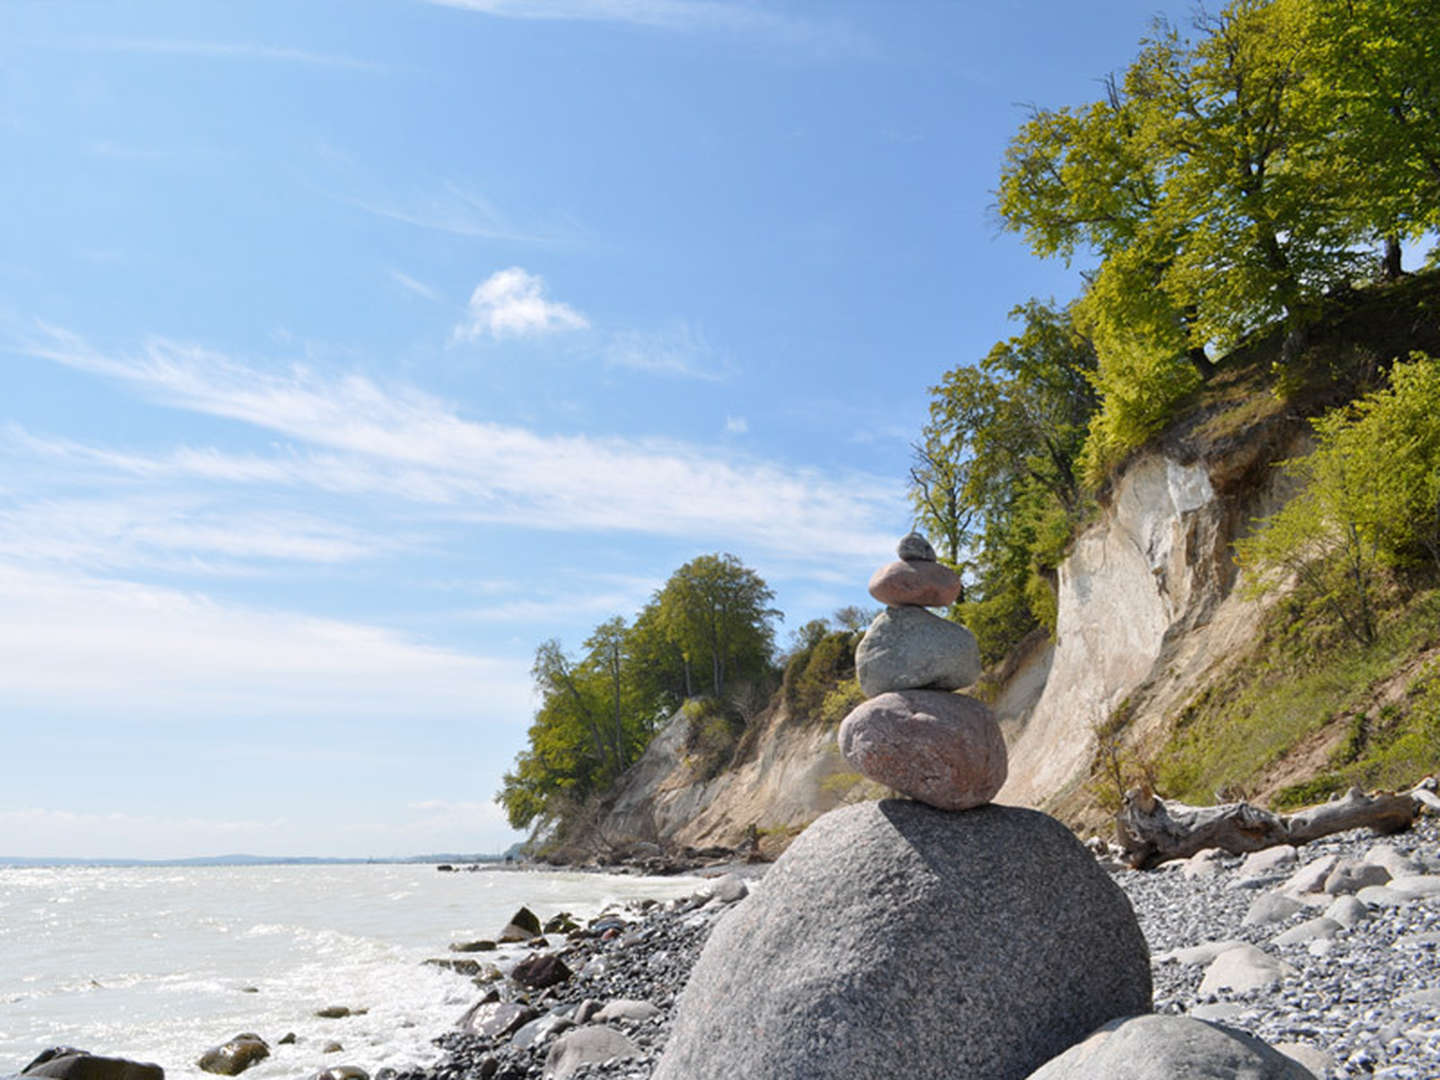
{"points": [[1379, 704]]}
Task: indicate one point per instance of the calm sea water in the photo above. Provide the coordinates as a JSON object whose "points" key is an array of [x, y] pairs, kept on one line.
{"points": [[155, 963]]}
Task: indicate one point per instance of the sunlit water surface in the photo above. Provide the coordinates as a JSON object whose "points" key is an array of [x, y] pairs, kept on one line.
{"points": [[157, 963]]}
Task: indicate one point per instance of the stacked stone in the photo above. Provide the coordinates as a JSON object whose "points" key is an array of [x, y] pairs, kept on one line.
{"points": [[914, 734]]}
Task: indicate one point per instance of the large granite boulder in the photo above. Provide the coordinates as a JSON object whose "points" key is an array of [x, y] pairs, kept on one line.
{"points": [[1171, 1048], [894, 939], [941, 748], [67, 1063], [908, 648]]}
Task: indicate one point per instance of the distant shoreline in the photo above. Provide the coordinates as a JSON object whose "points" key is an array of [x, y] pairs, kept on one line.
{"points": [[41, 862]]}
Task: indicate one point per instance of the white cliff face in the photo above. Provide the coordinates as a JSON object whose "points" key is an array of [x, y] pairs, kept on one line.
{"points": [[783, 785], [1129, 579]]}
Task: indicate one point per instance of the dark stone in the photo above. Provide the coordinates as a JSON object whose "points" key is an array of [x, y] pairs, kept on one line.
{"points": [[67, 1063], [523, 926], [894, 939], [234, 1057], [495, 1019], [472, 946], [333, 1012], [460, 967], [288, 1039], [561, 924], [538, 972], [341, 1072]]}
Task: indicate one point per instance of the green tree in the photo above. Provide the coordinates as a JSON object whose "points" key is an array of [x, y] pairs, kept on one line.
{"points": [[715, 610], [1014, 425], [1377, 78], [1368, 502]]}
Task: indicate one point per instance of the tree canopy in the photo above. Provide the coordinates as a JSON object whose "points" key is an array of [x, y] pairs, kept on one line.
{"points": [[1227, 179], [1002, 440], [708, 627]]}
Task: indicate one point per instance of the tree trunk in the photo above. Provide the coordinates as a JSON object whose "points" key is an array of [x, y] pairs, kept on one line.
{"points": [[1200, 361], [1393, 269], [1153, 831]]}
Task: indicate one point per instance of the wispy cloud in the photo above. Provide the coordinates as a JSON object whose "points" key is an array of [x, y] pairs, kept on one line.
{"points": [[734, 16], [680, 350], [448, 207], [410, 284], [213, 50], [176, 532], [164, 651], [358, 435], [736, 425], [512, 303]]}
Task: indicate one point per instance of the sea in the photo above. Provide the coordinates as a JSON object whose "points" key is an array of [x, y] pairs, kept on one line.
{"points": [[161, 963]]}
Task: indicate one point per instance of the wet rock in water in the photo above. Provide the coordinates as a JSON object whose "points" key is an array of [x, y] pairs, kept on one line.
{"points": [[1170, 1048], [334, 1012], [943, 749], [341, 1072], [523, 926], [893, 939], [483, 945], [288, 1039], [234, 1057], [564, 923], [460, 967], [332, 1048], [908, 648], [922, 584], [585, 1046], [492, 1019], [538, 972], [67, 1063]]}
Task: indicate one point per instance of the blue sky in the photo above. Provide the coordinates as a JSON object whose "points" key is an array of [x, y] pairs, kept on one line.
{"points": [[351, 349]]}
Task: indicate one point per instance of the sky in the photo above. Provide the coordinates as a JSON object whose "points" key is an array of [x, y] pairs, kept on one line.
{"points": [[351, 349]]}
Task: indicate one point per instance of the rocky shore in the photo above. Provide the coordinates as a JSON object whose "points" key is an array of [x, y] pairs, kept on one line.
{"points": [[1356, 1001], [1326, 957]]}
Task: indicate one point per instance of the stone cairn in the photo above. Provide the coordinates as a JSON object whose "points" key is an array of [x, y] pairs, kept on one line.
{"points": [[914, 734]]}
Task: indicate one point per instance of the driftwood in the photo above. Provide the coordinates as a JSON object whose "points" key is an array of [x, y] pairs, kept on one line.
{"points": [[1153, 831]]}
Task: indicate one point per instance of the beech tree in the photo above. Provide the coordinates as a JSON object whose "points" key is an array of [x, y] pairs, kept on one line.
{"points": [[715, 609], [1008, 432]]}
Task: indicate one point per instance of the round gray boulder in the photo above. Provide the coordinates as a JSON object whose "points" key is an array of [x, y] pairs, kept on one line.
{"points": [[908, 648], [894, 939], [1171, 1048]]}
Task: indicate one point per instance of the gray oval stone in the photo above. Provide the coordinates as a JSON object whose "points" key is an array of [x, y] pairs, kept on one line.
{"points": [[1171, 1048], [915, 548], [908, 648]]}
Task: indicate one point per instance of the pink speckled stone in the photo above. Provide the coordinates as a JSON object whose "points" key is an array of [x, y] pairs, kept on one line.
{"points": [[942, 749], [924, 584]]}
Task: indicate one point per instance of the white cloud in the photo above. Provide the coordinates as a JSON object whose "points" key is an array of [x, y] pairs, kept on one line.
{"points": [[175, 532], [679, 350], [511, 303], [736, 425], [362, 437], [166, 652]]}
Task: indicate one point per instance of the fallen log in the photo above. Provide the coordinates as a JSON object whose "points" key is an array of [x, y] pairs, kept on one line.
{"points": [[1152, 830]]}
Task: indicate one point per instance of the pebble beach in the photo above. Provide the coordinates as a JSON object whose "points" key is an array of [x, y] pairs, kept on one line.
{"points": [[1359, 1002]]}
